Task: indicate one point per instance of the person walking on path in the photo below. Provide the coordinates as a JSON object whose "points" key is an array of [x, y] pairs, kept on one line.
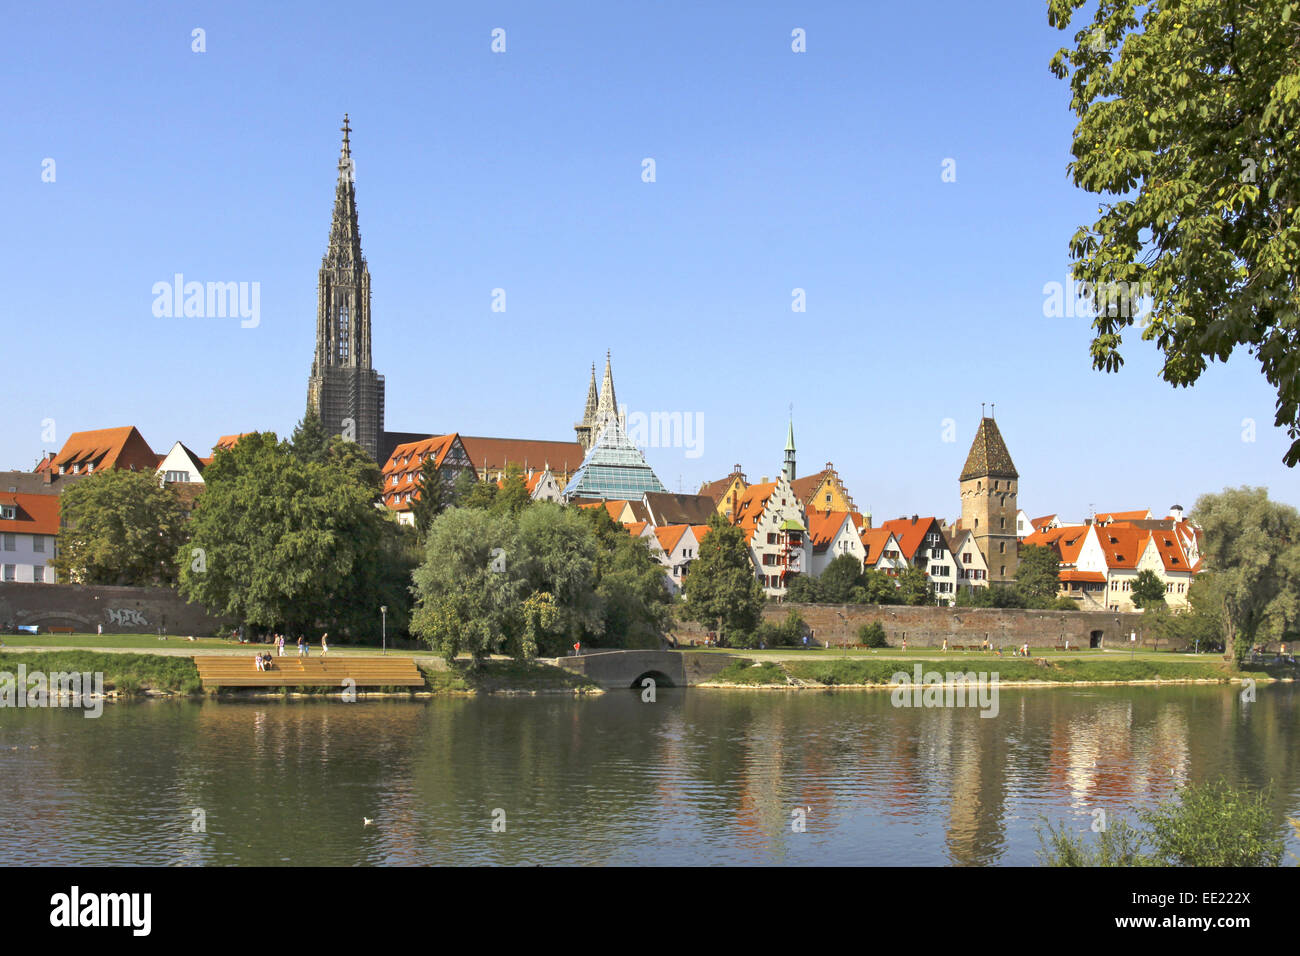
{"points": [[324, 647], [279, 644], [302, 646]]}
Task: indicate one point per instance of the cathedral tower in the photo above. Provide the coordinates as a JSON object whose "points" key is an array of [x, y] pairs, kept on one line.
{"points": [[988, 501], [344, 390]]}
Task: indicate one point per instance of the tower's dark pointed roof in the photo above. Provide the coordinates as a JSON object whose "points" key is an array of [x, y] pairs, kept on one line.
{"points": [[345, 235], [988, 454]]}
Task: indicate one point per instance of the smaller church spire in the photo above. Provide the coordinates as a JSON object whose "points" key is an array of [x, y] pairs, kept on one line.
{"points": [[608, 404], [789, 467], [589, 411]]}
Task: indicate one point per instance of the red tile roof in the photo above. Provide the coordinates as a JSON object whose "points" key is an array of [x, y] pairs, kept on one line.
{"points": [[750, 505], [35, 514], [670, 536], [491, 454], [228, 441], [824, 526], [910, 534], [122, 448]]}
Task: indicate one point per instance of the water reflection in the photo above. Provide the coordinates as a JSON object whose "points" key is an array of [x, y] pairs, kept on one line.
{"points": [[697, 778]]}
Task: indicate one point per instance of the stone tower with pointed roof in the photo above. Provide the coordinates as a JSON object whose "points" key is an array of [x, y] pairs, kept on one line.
{"points": [[344, 390], [988, 501]]}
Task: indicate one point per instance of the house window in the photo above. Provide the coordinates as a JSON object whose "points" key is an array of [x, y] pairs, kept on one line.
{"points": [[38, 543], [1002, 524], [1002, 547], [965, 558], [10, 571], [1003, 572], [38, 574], [7, 541], [8, 512]]}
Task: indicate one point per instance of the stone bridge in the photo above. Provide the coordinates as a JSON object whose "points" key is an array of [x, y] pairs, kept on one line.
{"points": [[612, 669]]}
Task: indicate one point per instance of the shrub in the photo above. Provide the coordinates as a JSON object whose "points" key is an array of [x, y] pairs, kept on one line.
{"points": [[872, 635]]}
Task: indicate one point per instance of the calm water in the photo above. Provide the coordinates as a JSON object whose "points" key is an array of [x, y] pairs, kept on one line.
{"points": [[700, 777]]}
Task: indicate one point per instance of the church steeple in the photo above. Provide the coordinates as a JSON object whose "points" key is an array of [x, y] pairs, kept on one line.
{"points": [[344, 390], [608, 405], [589, 410], [789, 467]]}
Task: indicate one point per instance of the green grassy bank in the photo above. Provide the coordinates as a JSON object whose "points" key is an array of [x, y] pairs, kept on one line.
{"points": [[126, 674], [860, 671]]}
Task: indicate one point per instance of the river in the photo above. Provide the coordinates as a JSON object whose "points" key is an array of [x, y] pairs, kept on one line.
{"points": [[696, 777]]}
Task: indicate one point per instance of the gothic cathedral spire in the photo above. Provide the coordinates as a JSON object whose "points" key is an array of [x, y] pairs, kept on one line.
{"points": [[344, 391]]}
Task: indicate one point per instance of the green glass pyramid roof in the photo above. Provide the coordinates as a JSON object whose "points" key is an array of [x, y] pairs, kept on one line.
{"points": [[614, 469]]}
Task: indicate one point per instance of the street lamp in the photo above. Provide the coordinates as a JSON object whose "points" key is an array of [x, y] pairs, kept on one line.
{"points": [[383, 610]]}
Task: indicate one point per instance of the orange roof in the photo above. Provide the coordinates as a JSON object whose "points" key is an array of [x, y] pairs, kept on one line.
{"points": [[1171, 551], [824, 526], [615, 507], [634, 529], [1040, 523], [35, 514], [909, 534], [1122, 547], [670, 536], [751, 504], [561, 457], [1093, 577], [106, 448], [1067, 542], [592, 504], [716, 489], [700, 531], [228, 441], [805, 487], [875, 540], [1106, 517]]}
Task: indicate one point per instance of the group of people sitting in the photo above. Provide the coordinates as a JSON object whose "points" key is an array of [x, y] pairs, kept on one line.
{"points": [[263, 661]]}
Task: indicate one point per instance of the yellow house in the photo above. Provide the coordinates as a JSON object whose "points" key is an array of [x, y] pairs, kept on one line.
{"points": [[823, 491], [727, 492]]}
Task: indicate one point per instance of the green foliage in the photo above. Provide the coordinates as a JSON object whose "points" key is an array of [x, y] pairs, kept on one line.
{"points": [[1189, 121], [877, 588], [803, 589], [1038, 573], [789, 633], [562, 576], [512, 497], [914, 587], [310, 441], [721, 589], [292, 541], [872, 635], [436, 494], [745, 672], [126, 673], [1252, 545], [122, 529], [1207, 824], [1148, 589], [840, 579]]}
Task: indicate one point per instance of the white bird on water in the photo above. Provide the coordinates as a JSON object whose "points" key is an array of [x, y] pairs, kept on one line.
{"points": [[366, 821]]}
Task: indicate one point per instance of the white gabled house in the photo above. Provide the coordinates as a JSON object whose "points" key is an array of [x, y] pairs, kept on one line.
{"points": [[775, 526], [831, 534]]}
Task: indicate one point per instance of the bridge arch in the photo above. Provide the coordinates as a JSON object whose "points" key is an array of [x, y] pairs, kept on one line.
{"points": [[659, 677]]}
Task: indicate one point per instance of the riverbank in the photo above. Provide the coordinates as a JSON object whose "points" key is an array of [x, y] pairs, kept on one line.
{"points": [[865, 674]]}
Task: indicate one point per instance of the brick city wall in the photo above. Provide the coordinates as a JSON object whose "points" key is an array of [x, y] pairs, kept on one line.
{"points": [[119, 610], [928, 626]]}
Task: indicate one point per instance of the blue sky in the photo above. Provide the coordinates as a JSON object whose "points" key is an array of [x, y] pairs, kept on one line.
{"points": [[522, 171]]}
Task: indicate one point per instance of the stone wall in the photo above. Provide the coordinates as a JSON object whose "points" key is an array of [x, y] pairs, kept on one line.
{"points": [[928, 626], [119, 610]]}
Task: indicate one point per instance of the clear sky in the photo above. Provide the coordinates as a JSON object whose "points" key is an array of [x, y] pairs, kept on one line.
{"points": [[522, 171]]}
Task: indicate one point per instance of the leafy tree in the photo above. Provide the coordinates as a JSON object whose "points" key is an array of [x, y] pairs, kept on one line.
{"points": [[914, 587], [1209, 824], [291, 543], [803, 589], [436, 494], [840, 578], [1038, 575], [1252, 545], [310, 440], [553, 550], [877, 588], [480, 494], [470, 595], [1148, 589], [636, 605], [789, 633], [975, 597], [1189, 119], [512, 496], [122, 528], [722, 591], [872, 635]]}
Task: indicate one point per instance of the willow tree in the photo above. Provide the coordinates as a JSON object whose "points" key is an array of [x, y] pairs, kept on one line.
{"points": [[1189, 124]]}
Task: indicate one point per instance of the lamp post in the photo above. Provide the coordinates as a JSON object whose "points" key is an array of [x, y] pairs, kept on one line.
{"points": [[383, 611]]}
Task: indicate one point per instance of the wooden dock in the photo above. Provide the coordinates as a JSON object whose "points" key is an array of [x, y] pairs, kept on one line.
{"points": [[295, 671]]}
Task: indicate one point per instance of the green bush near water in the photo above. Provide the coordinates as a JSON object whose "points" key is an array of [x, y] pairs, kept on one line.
{"points": [[746, 672]]}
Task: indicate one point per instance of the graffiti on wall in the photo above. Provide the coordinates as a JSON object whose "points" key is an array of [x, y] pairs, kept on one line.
{"points": [[126, 617]]}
